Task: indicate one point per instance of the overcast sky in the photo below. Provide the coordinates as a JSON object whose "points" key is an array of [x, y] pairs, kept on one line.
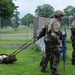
{"points": [[29, 6]]}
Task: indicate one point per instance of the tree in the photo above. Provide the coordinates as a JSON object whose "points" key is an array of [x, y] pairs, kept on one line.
{"points": [[7, 8], [15, 20], [44, 11], [27, 18], [69, 10]]}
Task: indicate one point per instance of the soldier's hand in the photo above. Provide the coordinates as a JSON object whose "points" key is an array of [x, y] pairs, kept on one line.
{"points": [[36, 38], [60, 46]]}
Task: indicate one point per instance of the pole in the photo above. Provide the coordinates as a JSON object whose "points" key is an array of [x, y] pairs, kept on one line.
{"points": [[0, 28], [27, 28], [69, 28]]}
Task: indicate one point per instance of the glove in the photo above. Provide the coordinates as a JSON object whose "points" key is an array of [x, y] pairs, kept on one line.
{"points": [[36, 38]]}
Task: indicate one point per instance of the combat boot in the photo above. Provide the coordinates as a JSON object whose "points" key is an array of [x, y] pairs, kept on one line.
{"points": [[42, 62], [55, 72], [44, 70], [73, 62]]}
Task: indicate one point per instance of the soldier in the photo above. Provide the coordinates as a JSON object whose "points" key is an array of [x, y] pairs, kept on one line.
{"points": [[52, 43], [73, 40]]}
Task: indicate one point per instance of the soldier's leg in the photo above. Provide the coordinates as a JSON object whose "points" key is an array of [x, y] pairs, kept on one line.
{"points": [[73, 57], [73, 52], [42, 61], [51, 61], [45, 60], [73, 45], [56, 59]]}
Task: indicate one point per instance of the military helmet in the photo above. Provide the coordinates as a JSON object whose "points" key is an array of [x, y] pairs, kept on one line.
{"points": [[58, 13]]}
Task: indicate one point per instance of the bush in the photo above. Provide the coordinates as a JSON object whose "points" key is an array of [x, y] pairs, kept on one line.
{"points": [[36, 48]]}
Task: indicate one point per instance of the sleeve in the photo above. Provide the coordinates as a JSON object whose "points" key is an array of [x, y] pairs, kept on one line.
{"points": [[55, 38], [42, 32]]}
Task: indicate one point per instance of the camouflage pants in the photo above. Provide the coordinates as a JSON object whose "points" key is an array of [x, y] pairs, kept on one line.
{"points": [[73, 44], [73, 52], [51, 55]]}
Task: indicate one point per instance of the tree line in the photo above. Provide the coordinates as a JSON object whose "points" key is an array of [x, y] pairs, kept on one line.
{"points": [[10, 16]]}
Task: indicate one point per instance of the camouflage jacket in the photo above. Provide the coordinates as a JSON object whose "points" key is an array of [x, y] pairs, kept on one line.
{"points": [[50, 35]]}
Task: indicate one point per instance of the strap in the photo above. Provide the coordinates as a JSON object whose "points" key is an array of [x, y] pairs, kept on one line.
{"points": [[21, 48]]}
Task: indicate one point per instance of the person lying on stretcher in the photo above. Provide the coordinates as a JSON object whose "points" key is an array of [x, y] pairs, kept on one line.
{"points": [[3, 57], [6, 59]]}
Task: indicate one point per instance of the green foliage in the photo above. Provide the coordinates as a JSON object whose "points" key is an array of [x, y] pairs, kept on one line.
{"points": [[68, 13], [15, 20], [36, 48], [31, 25], [7, 8], [44, 10], [69, 10], [27, 19], [68, 41], [5, 22]]}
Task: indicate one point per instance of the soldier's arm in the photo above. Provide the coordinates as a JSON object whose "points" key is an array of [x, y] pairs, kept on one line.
{"points": [[42, 33], [56, 40]]}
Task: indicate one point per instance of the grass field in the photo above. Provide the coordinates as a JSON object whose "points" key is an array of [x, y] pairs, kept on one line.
{"points": [[19, 34], [28, 61]]}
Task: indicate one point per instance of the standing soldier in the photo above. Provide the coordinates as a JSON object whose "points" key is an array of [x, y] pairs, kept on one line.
{"points": [[52, 43], [73, 40]]}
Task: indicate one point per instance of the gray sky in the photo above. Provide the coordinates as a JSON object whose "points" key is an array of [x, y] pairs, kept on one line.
{"points": [[29, 6]]}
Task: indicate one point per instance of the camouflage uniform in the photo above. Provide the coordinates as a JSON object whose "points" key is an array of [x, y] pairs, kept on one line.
{"points": [[52, 40], [73, 41]]}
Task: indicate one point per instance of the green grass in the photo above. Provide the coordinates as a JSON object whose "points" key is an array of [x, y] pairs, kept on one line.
{"points": [[12, 41], [28, 61], [19, 30], [19, 34]]}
